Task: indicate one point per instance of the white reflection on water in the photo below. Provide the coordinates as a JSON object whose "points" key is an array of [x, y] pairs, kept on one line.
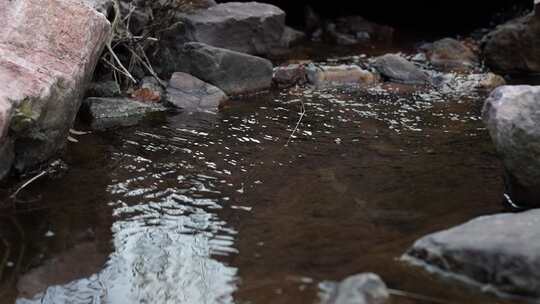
{"points": [[166, 236]]}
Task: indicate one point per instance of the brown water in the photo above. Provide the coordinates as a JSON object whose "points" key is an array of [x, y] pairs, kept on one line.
{"points": [[216, 208]]}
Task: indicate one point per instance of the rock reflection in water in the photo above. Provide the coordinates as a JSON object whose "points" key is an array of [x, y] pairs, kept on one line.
{"points": [[165, 238]]}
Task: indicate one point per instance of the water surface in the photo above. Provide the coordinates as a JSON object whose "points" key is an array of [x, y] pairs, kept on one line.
{"points": [[254, 205]]}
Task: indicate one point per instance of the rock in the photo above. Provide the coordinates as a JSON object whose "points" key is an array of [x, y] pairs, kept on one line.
{"points": [[400, 70], [149, 91], [499, 253], [292, 37], [106, 113], [460, 85], [490, 82], [290, 75], [514, 47], [190, 93], [253, 28], [233, 72], [330, 76], [366, 288], [108, 88], [359, 27], [47, 58], [511, 114], [451, 55], [420, 58]]}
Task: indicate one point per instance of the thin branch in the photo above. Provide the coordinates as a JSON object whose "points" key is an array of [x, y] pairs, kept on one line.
{"points": [[302, 114], [26, 184]]}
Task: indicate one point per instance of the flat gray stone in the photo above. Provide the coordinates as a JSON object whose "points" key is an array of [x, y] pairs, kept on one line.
{"points": [[400, 70], [499, 253], [190, 93], [252, 27], [105, 113], [233, 72]]}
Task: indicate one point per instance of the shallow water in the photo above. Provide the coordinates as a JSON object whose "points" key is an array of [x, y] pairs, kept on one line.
{"points": [[218, 208]]}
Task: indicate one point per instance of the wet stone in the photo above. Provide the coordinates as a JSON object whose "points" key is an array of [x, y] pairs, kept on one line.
{"points": [[400, 70], [233, 72], [498, 253], [190, 93], [290, 75], [323, 76], [452, 55], [105, 113]]}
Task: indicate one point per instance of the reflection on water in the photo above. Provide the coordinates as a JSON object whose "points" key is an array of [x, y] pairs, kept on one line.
{"points": [[213, 208], [166, 233]]}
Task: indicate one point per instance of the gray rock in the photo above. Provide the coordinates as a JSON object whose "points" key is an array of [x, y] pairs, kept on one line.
{"points": [[190, 93], [399, 69], [514, 47], [511, 114], [499, 253], [452, 55], [233, 72], [366, 288], [253, 28], [290, 75], [105, 113], [343, 75], [47, 58]]}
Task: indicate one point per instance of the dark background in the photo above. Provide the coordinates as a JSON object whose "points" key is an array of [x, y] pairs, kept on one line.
{"points": [[452, 17]]}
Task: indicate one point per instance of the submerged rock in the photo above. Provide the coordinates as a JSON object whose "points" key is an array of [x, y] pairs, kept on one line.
{"points": [[290, 75], [331, 76], [499, 253], [190, 93], [511, 114], [233, 72], [400, 70], [254, 28], [47, 57], [452, 55], [514, 47], [105, 113], [366, 288]]}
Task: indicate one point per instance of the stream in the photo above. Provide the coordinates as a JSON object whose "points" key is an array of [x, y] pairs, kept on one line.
{"points": [[259, 203]]}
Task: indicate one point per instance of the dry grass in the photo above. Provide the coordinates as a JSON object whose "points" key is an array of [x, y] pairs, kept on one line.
{"points": [[127, 52]]}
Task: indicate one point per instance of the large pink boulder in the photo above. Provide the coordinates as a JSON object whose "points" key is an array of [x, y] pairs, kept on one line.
{"points": [[48, 52]]}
